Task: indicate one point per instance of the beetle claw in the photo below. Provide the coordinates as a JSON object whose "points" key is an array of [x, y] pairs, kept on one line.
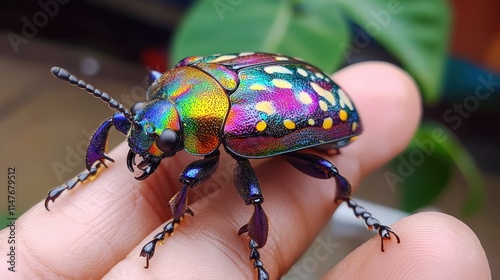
{"points": [[143, 164], [385, 234], [148, 251], [243, 229], [131, 160], [147, 165], [148, 169], [189, 211], [383, 231], [53, 195]]}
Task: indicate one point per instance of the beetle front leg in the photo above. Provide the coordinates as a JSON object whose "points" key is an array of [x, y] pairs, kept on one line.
{"points": [[96, 152], [249, 189], [193, 175], [321, 168]]}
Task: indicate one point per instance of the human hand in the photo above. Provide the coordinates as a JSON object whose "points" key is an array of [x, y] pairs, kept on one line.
{"points": [[98, 229]]}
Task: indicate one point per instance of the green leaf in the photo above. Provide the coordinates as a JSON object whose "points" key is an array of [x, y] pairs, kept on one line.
{"points": [[425, 167], [4, 216], [423, 170], [415, 32], [465, 163], [311, 30]]}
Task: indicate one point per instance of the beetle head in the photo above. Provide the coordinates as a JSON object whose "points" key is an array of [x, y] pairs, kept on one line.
{"points": [[154, 135], [154, 125]]}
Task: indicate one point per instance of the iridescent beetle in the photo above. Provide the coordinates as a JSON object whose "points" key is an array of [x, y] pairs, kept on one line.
{"points": [[255, 105]]}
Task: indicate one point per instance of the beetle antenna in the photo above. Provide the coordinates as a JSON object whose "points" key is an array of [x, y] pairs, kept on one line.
{"points": [[65, 75]]}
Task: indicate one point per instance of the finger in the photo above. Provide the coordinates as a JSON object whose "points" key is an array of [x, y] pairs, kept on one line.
{"points": [[433, 246], [92, 226], [298, 206], [390, 108]]}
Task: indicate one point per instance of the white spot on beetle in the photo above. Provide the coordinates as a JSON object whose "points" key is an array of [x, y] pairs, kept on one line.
{"points": [[323, 105], [324, 93], [302, 72], [257, 87], [282, 83], [266, 107], [305, 98], [277, 69], [223, 58], [344, 99]]}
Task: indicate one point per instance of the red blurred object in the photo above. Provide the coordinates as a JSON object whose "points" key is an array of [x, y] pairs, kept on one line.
{"points": [[155, 59], [476, 32]]}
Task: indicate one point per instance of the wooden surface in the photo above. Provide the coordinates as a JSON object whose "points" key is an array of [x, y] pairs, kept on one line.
{"points": [[46, 122]]}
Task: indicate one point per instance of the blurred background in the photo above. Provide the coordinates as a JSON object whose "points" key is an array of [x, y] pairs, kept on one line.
{"points": [[451, 48]]}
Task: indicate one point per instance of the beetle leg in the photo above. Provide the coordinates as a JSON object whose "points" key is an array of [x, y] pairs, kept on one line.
{"points": [[249, 189], [193, 175], [96, 150], [56, 192], [321, 168]]}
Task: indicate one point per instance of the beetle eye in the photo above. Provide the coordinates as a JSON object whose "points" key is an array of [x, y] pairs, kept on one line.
{"points": [[136, 106], [167, 141]]}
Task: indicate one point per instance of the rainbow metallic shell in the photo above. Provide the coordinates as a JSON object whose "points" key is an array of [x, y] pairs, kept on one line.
{"points": [[201, 103], [278, 104]]}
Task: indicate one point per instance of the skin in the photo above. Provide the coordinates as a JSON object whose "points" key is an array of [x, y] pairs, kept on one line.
{"points": [[98, 229]]}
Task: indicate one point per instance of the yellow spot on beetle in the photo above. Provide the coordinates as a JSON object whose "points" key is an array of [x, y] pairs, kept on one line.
{"points": [[223, 57], [277, 69], [310, 122], [266, 107], [289, 124], [282, 83], [353, 139], [257, 87], [327, 123], [344, 99], [343, 115], [324, 93], [302, 72], [246, 53], [305, 98], [319, 75], [323, 105], [261, 126]]}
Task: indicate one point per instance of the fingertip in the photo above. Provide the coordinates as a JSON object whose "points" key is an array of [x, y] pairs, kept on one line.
{"points": [[389, 104], [362, 77], [433, 246]]}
